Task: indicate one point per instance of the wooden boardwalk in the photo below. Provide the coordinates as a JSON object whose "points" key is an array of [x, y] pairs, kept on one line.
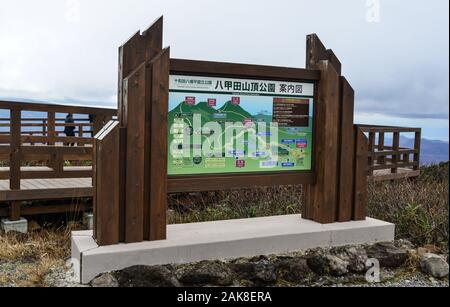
{"points": [[386, 174], [42, 189]]}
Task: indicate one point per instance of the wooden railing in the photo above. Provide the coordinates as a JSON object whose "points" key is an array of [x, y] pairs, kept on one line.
{"points": [[388, 159], [33, 143]]}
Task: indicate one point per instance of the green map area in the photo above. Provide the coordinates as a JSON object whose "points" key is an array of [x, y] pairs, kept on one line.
{"points": [[207, 140]]}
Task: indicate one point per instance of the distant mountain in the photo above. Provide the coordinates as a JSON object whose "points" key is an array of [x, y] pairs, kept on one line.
{"points": [[432, 151]]}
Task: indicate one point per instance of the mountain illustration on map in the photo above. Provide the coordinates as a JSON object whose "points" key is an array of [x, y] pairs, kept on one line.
{"points": [[204, 149], [229, 112]]}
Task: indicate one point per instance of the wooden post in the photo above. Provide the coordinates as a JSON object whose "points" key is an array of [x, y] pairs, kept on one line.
{"points": [[360, 175], [396, 155], [371, 157], [51, 129], [106, 197], [332, 198], [15, 161], [97, 123], [143, 94], [381, 159], [159, 145], [322, 198], [135, 111], [80, 134], [347, 140], [135, 98], [417, 143]]}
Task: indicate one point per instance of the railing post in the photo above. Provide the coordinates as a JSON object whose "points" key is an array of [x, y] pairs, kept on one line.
{"points": [[51, 130], [15, 160], [44, 128], [381, 159], [417, 148], [395, 148], [360, 175], [80, 134], [371, 152]]}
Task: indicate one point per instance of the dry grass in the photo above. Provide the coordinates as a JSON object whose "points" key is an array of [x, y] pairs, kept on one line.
{"points": [[419, 208], [235, 204], [25, 260]]}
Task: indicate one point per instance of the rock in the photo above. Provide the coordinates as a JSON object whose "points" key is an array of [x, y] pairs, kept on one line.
{"points": [[265, 272], [355, 256], [293, 269], [207, 273], [260, 270], [389, 255], [105, 281], [147, 276], [434, 265], [327, 264], [405, 244]]}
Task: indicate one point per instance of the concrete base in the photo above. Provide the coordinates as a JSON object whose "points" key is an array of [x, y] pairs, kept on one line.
{"points": [[88, 220], [20, 226], [223, 240]]}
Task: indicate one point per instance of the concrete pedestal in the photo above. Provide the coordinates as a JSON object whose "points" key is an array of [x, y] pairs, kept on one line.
{"points": [[88, 220], [20, 226], [223, 240]]}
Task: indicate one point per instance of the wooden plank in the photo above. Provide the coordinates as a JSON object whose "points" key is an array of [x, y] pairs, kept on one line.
{"points": [[190, 67], [122, 181], [135, 99], [26, 195], [361, 149], [51, 209], [334, 61], [15, 150], [395, 147], [347, 152], [106, 201], [239, 181], [315, 51], [58, 108], [323, 196], [371, 158], [386, 176], [14, 214], [417, 149], [159, 145], [381, 158], [54, 139], [51, 131]]}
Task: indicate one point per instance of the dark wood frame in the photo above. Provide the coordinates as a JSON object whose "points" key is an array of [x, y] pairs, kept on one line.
{"points": [[207, 182], [335, 189]]}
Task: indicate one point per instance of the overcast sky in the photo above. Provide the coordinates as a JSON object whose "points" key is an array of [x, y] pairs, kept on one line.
{"points": [[396, 58]]}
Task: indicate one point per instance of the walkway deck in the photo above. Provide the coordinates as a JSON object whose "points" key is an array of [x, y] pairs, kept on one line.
{"points": [[40, 189]]}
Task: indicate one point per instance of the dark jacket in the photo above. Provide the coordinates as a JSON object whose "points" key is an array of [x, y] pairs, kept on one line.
{"points": [[69, 130]]}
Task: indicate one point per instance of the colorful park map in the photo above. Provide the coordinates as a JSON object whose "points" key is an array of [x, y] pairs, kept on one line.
{"points": [[215, 130]]}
